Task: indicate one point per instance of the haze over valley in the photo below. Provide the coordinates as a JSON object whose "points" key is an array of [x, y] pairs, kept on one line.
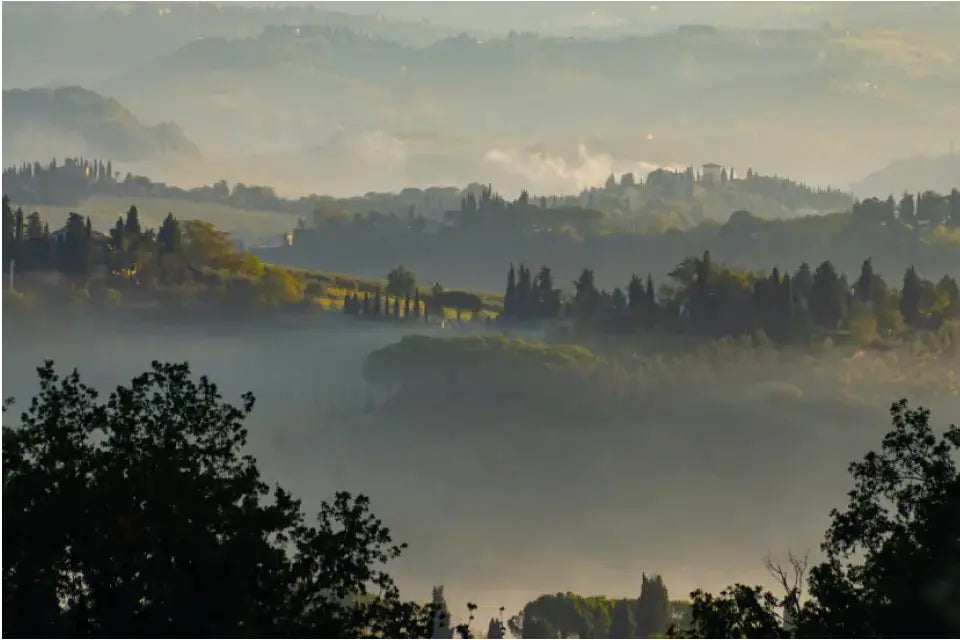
{"points": [[597, 303], [353, 102], [501, 528]]}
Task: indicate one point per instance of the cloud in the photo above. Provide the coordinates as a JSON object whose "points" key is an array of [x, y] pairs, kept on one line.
{"points": [[545, 172], [371, 146]]}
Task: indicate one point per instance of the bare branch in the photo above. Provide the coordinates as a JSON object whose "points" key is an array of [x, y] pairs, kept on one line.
{"points": [[791, 580]]}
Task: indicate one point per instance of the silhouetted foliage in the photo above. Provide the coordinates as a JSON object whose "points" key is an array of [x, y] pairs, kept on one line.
{"points": [[711, 299], [143, 515], [893, 554], [653, 608], [621, 622], [401, 282]]}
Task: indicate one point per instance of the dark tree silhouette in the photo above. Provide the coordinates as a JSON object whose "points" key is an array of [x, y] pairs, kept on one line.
{"points": [[826, 297], [893, 554], [910, 297], [524, 292], [143, 515], [74, 247], [401, 281], [170, 237], [621, 624], [9, 233], [653, 608], [636, 295], [132, 225], [510, 296], [863, 287], [907, 209]]}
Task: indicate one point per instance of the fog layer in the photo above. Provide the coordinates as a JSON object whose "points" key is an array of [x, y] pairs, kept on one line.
{"points": [[503, 506]]}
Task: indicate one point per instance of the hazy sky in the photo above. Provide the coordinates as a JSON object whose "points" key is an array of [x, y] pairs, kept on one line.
{"points": [[783, 88]]}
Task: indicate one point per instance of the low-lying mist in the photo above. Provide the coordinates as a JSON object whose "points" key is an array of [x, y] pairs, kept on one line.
{"points": [[501, 502]]}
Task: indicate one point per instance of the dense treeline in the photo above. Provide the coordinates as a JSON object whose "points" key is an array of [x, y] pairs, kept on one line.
{"points": [[476, 260], [193, 264], [64, 184], [927, 208], [663, 191], [710, 299], [191, 258], [569, 615]]}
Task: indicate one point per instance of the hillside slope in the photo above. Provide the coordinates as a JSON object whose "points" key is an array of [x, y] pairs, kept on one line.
{"points": [[352, 111], [940, 173], [91, 124]]}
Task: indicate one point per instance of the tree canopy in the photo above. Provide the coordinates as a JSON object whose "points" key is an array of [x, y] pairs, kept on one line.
{"points": [[892, 565], [144, 515]]}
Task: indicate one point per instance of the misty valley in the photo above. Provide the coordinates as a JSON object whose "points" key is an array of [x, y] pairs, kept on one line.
{"points": [[660, 466], [342, 341]]}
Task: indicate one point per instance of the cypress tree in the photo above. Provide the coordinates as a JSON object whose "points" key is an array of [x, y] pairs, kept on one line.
{"points": [[12, 229], [18, 227], [862, 287], [132, 226], [910, 297], [509, 298], [169, 237], [803, 281], [635, 294], [826, 296], [523, 293], [650, 302], [75, 251], [653, 608]]}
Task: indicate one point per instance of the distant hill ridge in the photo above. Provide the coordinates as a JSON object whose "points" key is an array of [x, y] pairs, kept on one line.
{"points": [[104, 125], [940, 173]]}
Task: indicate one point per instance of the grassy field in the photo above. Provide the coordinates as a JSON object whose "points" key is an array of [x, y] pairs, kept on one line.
{"points": [[244, 224]]}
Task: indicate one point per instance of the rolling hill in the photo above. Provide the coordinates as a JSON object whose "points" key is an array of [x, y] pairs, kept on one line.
{"points": [[940, 173], [515, 109], [73, 120]]}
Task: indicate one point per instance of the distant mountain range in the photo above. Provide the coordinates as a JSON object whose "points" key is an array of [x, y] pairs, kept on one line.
{"points": [[76, 121]]}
